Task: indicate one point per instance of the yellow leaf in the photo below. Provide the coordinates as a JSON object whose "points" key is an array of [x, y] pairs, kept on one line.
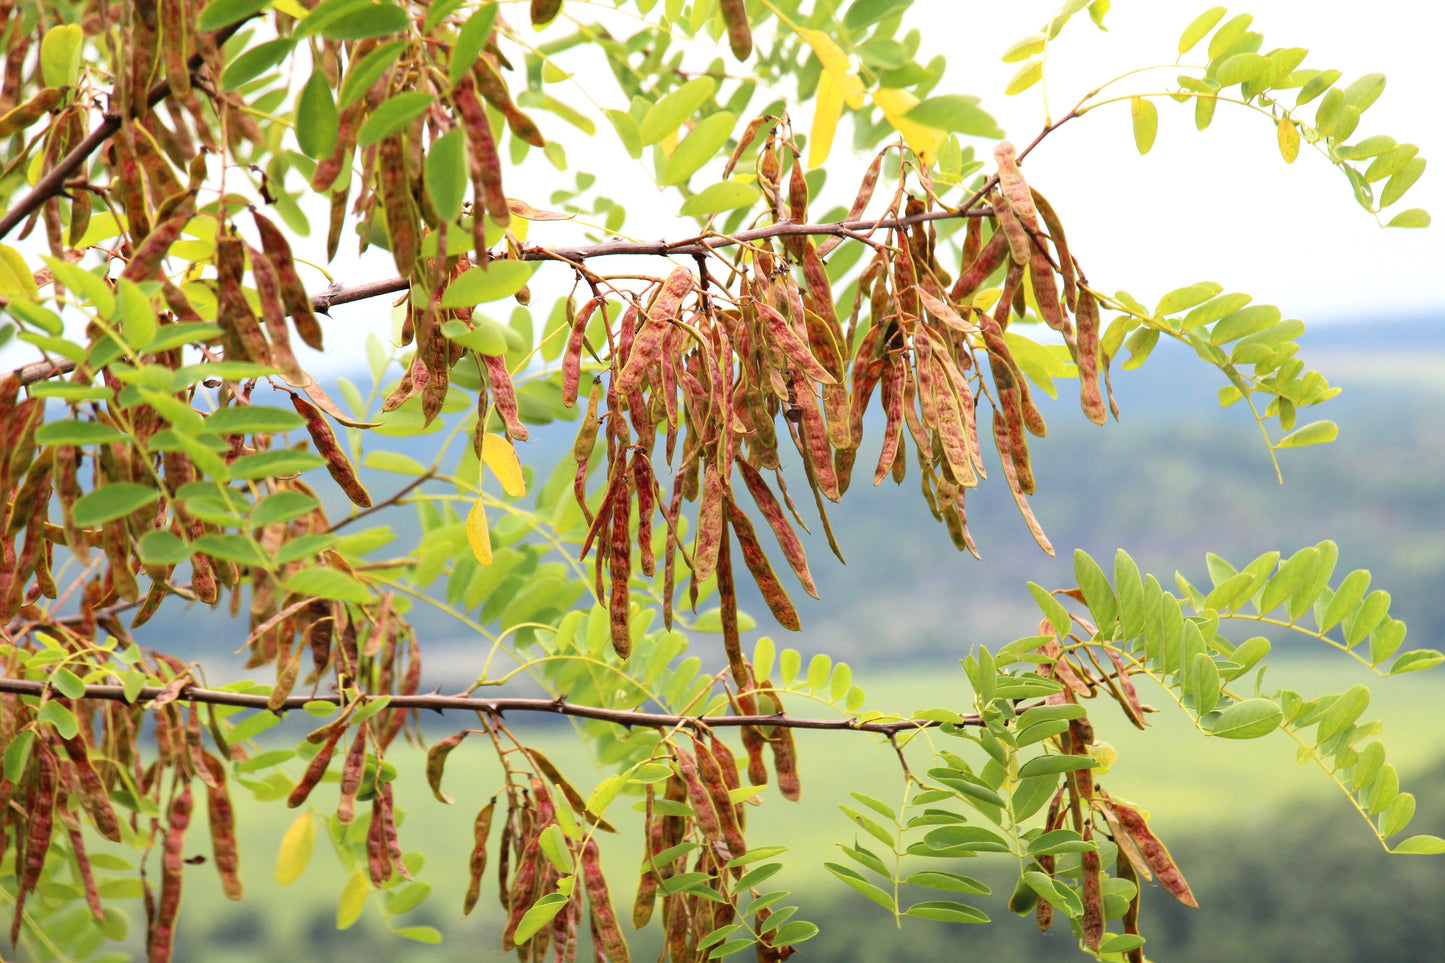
{"points": [[827, 110], [923, 140], [16, 281], [501, 458], [353, 900], [1288, 141], [296, 849], [291, 7], [477, 534], [835, 62]]}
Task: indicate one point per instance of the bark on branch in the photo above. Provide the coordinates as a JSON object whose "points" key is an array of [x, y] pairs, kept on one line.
{"points": [[443, 703]]}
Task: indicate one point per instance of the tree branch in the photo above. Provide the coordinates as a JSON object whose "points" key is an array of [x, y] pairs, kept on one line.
{"points": [[442, 703], [336, 294], [54, 181]]}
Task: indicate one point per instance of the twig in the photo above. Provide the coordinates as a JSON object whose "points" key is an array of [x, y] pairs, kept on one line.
{"points": [[443, 703], [54, 180]]}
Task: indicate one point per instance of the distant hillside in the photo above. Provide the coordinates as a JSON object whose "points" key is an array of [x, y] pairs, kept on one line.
{"points": [[1176, 477]]}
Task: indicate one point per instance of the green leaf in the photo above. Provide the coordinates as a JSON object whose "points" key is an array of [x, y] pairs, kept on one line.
{"points": [[1098, 594], [946, 910], [1052, 608], [223, 13], [281, 507], [394, 461], [1146, 122], [1314, 433], [1398, 815], [446, 173], [699, 147], [956, 112], [419, 934], [364, 73], [470, 41], [950, 882], [1416, 660], [850, 876], [870, 826], [1182, 299], [1199, 27], [478, 285], [67, 683], [317, 122], [60, 55], [794, 932], [1045, 765], [1025, 47], [112, 501], [668, 114], [1421, 845], [1401, 181], [1249, 719], [553, 843], [1342, 713], [722, 196], [1414, 217], [540, 913], [1028, 75], [350, 20], [1244, 322], [255, 61], [393, 114], [163, 548], [1346, 597], [76, 433], [57, 715], [284, 461], [328, 583], [17, 754]]}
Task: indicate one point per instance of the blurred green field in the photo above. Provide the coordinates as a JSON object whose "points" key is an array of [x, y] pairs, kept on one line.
{"points": [[1195, 787]]}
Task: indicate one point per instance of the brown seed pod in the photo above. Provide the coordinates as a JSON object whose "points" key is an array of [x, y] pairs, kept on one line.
{"points": [[740, 35], [646, 485], [477, 864], [436, 762], [93, 793], [572, 356], [1061, 246], [293, 291], [351, 772], [148, 256], [980, 268], [604, 920], [494, 89], [1011, 182], [715, 783], [316, 768], [1132, 822], [40, 814], [620, 554], [1087, 356], [788, 540], [485, 164], [222, 818], [781, 334], [708, 821], [709, 524], [1093, 919], [504, 396], [762, 570], [173, 862], [243, 339], [1124, 869]]}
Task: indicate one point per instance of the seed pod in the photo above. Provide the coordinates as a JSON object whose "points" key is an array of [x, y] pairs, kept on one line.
{"points": [[762, 570], [378, 860], [1001, 441], [1131, 705], [788, 540], [524, 885], [715, 783], [781, 334], [21, 117], [436, 762], [40, 815], [242, 335], [1087, 356], [1124, 869], [490, 85], [222, 819], [173, 862], [477, 864], [646, 898], [486, 166], [397, 202], [1061, 246], [293, 291], [504, 396], [149, 254], [981, 268], [604, 920], [709, 525], [1011, 181], [572, 356], [388, 828], [1093, 919], [316, 768], [351, 773], [708, 821], [92, 790], [1132, 822], [620, 553], [860, 201], [740, 35], [646, 486]]}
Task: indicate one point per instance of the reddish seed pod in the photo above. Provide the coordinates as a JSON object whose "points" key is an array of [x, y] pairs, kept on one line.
{"points": [[715, 784], [173, 863], [293, 291], [486, 166], [604, 920], [316, 768], [504, 396], [351, 772], [1061, 246], [490, 85], [788, 540], [222, 818], [762, 570], [1087, 356], [619, 607], [702, 803], [1011, 181], [148, 256], [477, 865], [1124, 869], [981, 267], [1153, 851], [646, 486], [93, 793], [572, 356], [709, 525], [1093, 919]]}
